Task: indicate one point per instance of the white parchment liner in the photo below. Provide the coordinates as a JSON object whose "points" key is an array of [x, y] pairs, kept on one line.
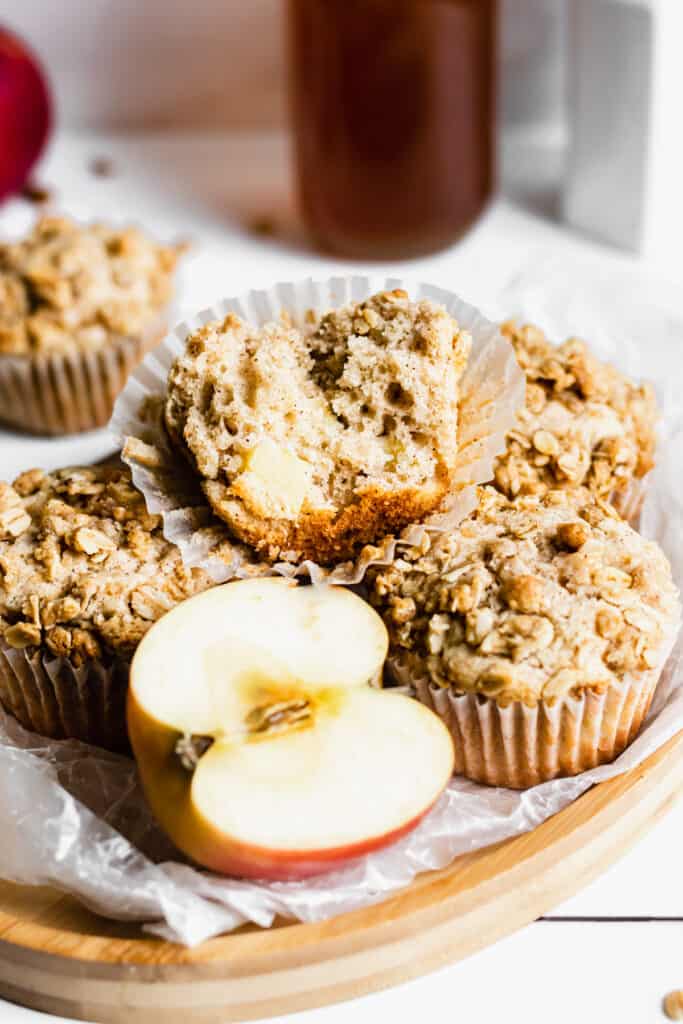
{"points": [[69, 392], [519, 746], [56, 698], [492, 389], [629, 501], [73, 816]]}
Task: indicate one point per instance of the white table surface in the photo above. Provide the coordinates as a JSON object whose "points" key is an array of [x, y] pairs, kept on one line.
{"points": [[614, 950]]}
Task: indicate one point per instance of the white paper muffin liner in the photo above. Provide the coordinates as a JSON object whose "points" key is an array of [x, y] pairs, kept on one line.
{"points": [[629, 501], [492, 390], [517, 746], [55, 698], [70, 392]]}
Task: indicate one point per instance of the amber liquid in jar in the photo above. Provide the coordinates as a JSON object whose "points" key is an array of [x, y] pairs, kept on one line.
{"points": [[394, 108]]}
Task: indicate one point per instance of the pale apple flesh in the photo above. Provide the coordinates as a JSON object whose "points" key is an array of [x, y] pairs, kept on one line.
{"points": [[274, 758]]}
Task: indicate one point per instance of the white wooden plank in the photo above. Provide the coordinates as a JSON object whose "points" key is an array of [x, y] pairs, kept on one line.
{"points": [[646, 882], [556, 972], [550, 972]]}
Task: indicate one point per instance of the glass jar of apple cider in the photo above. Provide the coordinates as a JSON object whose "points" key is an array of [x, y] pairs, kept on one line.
{"points": [[394, 109]]}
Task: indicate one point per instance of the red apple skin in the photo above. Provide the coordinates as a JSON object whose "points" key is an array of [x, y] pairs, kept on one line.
{"points": [[25, 113], [167, 787]]}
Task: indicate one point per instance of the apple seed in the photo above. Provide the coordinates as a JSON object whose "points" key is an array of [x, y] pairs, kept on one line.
{"points": [[190, 748], [279, 716]]}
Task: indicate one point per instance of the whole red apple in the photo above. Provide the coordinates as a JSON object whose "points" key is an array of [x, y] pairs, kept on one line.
{"points": [[25, 113]]}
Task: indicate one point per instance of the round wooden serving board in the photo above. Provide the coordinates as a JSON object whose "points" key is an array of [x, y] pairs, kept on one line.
{"points": [[56, 956]]}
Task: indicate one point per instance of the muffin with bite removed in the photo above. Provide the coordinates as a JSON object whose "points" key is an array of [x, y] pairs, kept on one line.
{"points": [[311, 443]]}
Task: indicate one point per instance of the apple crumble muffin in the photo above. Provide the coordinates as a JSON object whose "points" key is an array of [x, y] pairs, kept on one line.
{"points": [[84, 572], [312, 443], [67, 286], [539, 606], [584, 423], [79, 306]]}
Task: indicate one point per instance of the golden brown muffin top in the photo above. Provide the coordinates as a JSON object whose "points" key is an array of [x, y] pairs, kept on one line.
{"points": [[532, 599], [67, 287], [583, 423], [83, 565]]}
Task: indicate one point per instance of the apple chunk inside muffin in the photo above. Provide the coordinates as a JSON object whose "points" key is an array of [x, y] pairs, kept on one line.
{"points": [[311, 443]]}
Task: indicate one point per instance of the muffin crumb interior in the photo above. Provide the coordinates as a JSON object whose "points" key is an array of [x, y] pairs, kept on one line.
{"points": [[284, 423]]}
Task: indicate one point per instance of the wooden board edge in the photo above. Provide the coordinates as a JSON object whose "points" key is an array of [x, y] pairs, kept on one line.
{"points": [[374, 954]]}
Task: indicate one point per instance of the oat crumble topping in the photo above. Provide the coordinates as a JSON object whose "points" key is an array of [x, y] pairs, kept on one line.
{"points": [[84, 568], [583, 424], [535, 598], [67, 287]]}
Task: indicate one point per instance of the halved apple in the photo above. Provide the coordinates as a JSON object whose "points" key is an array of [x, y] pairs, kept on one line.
{"points": [[262, 748]]}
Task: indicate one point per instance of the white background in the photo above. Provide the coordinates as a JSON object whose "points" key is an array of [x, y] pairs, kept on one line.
{"points": [[216, 64]]}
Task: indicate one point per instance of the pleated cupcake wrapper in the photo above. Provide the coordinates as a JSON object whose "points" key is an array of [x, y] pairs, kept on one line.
{"points": [[629, 501], [53, 697], [517, 746], [492, 390], [66, 393]]}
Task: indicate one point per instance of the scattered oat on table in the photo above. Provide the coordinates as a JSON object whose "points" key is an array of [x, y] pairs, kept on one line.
{"points": [[672, 1005], [102, 167], [263, 226], [37, 194]]}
